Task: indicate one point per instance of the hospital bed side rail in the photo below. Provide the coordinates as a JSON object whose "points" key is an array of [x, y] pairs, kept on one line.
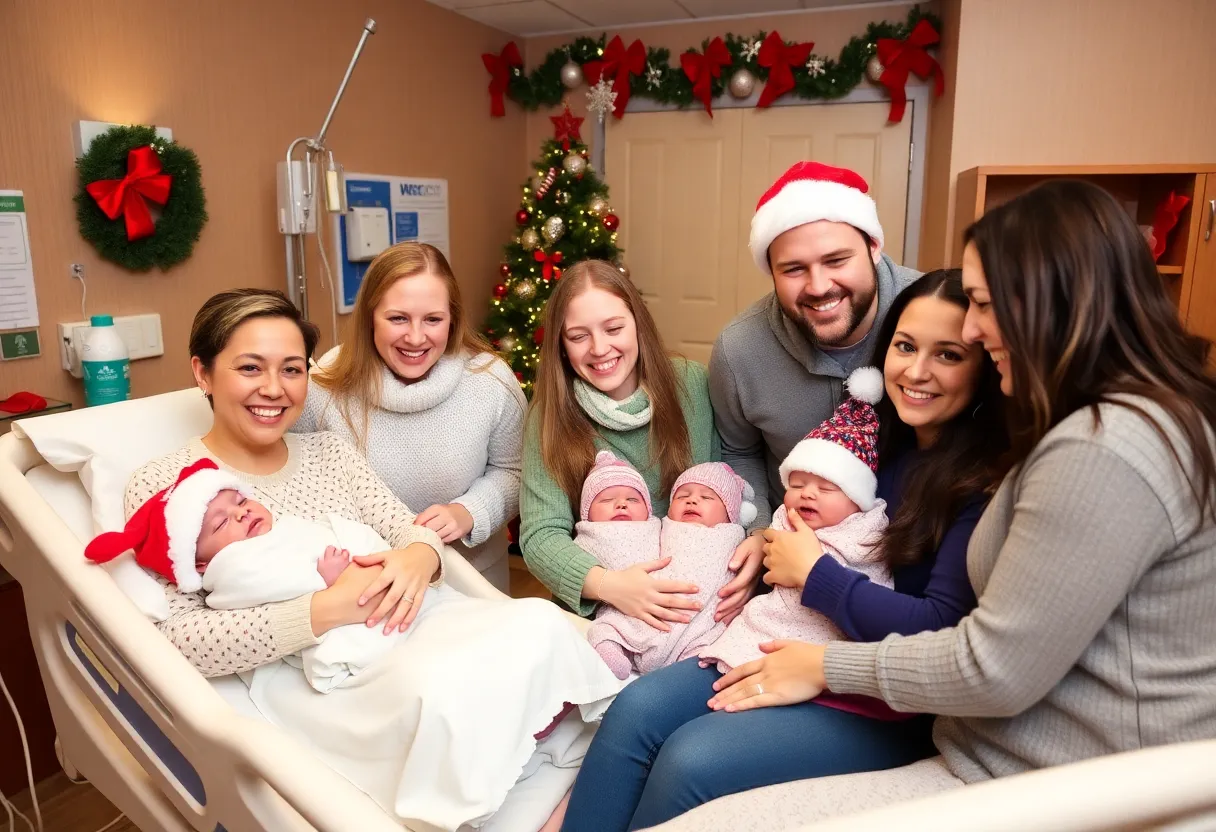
{"points": [[254, 776], [1169, 787]]}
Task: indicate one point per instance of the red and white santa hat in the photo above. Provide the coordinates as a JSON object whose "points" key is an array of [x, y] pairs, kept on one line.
{"points": [[609, 471], [735, 492], [809, 192], [164, 531], [844, 449]]}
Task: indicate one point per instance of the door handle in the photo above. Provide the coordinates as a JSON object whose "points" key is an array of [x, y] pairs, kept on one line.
{"points": [[1211, 219]]}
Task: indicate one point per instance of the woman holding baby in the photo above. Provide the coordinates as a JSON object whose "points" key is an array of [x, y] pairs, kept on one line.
{"points": [[412, 384]]}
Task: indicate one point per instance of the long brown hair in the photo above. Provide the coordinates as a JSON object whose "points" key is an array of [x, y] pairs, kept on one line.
{"points": [[966, 461], [1085, 317], [355, 376], [567, 436]]}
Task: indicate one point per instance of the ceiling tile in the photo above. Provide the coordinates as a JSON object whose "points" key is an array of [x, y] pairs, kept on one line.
{"points": [[720, 8], [623, 12], [529, 17]]}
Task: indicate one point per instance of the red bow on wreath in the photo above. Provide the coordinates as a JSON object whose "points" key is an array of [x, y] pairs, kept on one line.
{"points": [[781, 60], [499, 67], [126, 196], [901, 57], [550, 270], [702, 69], [619, 63]]}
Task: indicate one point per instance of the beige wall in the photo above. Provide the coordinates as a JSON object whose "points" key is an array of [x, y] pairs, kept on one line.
{"points": [[829, 30], [1072, 82], [237, 80]]}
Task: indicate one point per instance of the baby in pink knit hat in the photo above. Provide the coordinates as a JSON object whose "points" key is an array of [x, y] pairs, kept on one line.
{"points": [[830, 480], [709, 502]]}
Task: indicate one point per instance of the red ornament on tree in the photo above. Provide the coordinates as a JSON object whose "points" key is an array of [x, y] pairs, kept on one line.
{"points": [[539, 337], [500, 291], [612, 222], [519, 376], [522, 216], [505, 269]]}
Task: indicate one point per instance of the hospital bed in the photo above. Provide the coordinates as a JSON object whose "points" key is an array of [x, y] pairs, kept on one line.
{"points": [[175, 751]]}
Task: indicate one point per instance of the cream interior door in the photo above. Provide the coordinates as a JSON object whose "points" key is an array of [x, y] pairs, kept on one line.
{"points": [[674, 180], [853, 136], [685, 187]]}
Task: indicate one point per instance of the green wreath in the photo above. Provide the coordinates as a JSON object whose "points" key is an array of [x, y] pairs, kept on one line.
{"points": [[181, 218]]}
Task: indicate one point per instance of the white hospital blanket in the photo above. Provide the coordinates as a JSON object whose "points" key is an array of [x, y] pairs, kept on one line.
{"points": [[440, 729], [281, 565]]}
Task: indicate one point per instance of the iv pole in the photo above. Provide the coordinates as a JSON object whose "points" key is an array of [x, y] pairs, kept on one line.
{"points": [[297, 285]]}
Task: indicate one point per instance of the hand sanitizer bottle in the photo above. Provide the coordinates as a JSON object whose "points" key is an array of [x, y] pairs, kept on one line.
{"points": [[104, 362]]}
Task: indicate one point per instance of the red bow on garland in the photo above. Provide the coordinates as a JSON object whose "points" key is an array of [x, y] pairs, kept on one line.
{"points": [[780, 60], [499, 67], [550, 270], [619, 63], [702, 69], [126, 196], [901, 57]]}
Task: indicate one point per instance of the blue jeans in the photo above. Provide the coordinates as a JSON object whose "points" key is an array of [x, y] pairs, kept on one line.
{"points": [[661, 751]]}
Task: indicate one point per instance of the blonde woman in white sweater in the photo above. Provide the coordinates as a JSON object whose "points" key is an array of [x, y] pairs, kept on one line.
{"points": [[422, 396]]}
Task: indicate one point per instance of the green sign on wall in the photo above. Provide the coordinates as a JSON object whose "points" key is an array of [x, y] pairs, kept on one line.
{"points": [[22, 344]]}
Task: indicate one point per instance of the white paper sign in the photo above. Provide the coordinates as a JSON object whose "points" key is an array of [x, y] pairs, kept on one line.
{"points": [[18, 305]]}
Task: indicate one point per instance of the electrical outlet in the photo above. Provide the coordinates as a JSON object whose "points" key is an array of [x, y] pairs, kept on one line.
{"points": [[141, 334]]}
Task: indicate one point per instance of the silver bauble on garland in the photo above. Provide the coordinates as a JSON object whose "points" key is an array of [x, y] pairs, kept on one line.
{"points": [[571, 74], [742, 83]]}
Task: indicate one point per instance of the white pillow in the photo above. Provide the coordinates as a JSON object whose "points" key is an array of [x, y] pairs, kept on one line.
{"points": [[105, 445]]}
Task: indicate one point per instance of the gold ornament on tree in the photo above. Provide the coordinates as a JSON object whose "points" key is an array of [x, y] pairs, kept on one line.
{"points": [[553, 229], [562, 197], [529, 239], [598, 206], [571, 75], [507, 343], [874, 69], [574, 164], [525, 289], [742, 83]]}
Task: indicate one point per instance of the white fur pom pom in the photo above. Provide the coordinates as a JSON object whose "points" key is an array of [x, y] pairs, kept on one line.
{"points": [[604, 458], [865, 383], [747, 508]]}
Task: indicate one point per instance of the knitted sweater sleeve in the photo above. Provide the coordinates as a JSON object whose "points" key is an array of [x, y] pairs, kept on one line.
{"points": [[547, 531], [866, 611], [377, 505], [219, 642], [742, 444], [493, 498], [1085, 528]]}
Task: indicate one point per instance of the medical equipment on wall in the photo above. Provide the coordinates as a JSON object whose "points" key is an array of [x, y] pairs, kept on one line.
{"points": [[297, 188]]}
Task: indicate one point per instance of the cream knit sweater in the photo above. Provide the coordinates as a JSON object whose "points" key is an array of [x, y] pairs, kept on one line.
{"points": [[456, 436], [323, 475]]}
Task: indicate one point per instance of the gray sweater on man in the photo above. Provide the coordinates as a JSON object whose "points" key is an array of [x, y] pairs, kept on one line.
{"points": [[770, 387], [1096, 626]]}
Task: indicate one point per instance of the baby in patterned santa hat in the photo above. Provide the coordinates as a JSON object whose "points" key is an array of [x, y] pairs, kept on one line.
{"points": [[710, 504], [830, 480]]}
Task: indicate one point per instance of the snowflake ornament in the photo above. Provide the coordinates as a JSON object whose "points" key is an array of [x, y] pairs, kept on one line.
{"points": [[815, 66], [751, 50], [601, 99], [654, 77]]}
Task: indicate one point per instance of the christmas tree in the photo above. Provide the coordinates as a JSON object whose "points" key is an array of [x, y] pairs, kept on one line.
{"points": [[564, 217]]}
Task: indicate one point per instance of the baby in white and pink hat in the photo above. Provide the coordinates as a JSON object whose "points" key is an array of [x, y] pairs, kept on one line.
{"points": [[704, 525]]}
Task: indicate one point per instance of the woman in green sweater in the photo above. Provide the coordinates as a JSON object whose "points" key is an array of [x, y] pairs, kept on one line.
{"points": [[605, 381]]}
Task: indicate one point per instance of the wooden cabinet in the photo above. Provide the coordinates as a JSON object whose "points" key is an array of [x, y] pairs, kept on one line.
{"points": [[1188, 266]]}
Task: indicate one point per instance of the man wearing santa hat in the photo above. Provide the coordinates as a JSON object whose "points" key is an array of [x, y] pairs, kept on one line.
{"points": [[778, 369]]}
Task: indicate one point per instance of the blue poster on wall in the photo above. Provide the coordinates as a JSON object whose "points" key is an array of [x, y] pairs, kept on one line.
{"points": [[417, 210]]}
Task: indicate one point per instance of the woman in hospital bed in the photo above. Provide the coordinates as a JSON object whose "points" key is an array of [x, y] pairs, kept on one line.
{"points": [[440, 730]]}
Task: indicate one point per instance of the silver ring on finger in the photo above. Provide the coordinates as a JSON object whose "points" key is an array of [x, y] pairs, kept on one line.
{"points": [[409, 599], [759, 689]]}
